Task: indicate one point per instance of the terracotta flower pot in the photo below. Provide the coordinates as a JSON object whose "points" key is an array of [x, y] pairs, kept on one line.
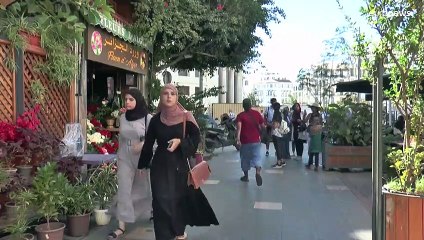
{"points": [[56, 231], [25, 236], [11, 210], [25, 173], [78, 225]]}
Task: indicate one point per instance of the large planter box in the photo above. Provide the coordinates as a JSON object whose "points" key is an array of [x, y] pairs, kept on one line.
{"points": [[348, 156], [403, 216]]}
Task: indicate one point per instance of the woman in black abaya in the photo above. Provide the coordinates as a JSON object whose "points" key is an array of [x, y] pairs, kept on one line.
{"points": [[175, 205]]}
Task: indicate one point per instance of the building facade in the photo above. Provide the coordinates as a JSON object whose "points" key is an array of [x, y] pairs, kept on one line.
{"points": [[192, 81]]}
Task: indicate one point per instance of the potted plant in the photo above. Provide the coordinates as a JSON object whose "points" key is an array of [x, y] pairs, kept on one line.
{"points": [[11, 186], [349, 135], [78, 206], [105, 184], [19, 226], [400, 52], [49, 197]]}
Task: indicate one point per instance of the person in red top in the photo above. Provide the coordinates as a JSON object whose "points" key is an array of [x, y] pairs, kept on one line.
{"points": [[249, 124]]}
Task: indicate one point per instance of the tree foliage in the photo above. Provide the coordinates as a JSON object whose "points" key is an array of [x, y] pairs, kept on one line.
{"points": [[317, 81], [400, 26], [60, 23], [203, 34]]}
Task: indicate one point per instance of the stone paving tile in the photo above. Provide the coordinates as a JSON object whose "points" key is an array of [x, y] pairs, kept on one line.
{"points": [[232, 161], [211, 182], [268, 205], [337, 188], [274, 171]]}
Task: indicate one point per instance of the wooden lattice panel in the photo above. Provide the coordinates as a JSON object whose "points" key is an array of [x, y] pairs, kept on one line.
{"points": [[7, 95], [55, 112]]}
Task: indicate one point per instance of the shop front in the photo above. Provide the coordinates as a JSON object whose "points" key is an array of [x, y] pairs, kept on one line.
{"points": [[113, 66]]}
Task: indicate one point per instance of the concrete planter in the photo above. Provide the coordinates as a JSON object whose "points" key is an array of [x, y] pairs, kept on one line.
{"points": [[348, 156], [404, 216]]}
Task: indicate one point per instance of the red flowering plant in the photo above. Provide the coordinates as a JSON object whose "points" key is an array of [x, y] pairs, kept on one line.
{"points": [[15, 136], [100, 140]]}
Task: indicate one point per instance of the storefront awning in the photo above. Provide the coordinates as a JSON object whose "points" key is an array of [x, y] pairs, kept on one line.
{"points": [[361, 86], [118, 29]]}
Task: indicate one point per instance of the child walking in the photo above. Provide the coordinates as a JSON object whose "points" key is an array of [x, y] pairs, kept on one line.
{"points": [[315, 143]]}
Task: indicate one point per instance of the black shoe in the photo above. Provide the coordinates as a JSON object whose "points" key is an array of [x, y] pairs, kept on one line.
{"points": [[244, 179], [258, 180], [267, 153]]}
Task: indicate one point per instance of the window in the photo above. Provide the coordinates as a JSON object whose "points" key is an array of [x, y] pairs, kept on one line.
{"points": [[184, 90], [196, 73], [197, 89], [246, 83], [183, 73]]}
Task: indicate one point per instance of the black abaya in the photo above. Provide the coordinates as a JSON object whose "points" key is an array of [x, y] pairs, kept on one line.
{"points": [[173, 201]]}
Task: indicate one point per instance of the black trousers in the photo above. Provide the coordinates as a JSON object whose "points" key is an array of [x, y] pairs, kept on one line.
{"points": [[278, 145], [311, 156], [299, 147]]}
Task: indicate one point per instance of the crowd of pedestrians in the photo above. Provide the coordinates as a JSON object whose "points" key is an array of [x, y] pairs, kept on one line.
{"points": [[279, 125]]}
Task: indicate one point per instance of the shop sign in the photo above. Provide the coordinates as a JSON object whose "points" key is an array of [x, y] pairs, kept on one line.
{"points": [[110, 50], [119, 30]]}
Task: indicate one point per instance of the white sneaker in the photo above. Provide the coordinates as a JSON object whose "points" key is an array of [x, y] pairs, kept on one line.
{"points": [[277, 166]]}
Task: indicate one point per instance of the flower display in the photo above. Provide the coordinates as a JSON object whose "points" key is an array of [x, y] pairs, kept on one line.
{"points": [[115, 114], [100, 140]]}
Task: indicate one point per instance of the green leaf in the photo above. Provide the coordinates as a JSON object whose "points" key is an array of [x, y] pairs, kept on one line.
{"points": [[72, 18]]}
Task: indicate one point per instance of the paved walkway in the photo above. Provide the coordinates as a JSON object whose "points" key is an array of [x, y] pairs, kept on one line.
{"points": [[293, 204]]}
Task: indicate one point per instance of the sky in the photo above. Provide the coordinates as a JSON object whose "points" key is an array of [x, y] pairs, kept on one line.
{"points": [[297, 42]]}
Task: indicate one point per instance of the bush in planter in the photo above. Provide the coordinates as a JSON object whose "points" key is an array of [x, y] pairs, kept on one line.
{"points": [[49, 197], [349, 123], [104, 181], [105, 184], [77, 207], [78, 198], [20, 224], [409, 167]]}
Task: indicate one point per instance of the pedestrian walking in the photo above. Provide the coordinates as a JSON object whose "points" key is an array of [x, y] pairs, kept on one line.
{"points": [[315, 135], [287, 133], [175, 204], [268, 116], [133, 186], [279, 129], [299, 127], [249, 125]]}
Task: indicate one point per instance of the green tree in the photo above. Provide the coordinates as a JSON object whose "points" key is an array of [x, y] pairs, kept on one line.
{"points": [[253, 96], [317, 81], [400, 26], [203, 34]]}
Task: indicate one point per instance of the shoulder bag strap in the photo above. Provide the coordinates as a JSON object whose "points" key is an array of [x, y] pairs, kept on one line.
{"points": [[184, 134]]}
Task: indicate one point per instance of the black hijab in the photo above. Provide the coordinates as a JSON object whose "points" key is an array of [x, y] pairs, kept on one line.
{"points": [[140, 110]]}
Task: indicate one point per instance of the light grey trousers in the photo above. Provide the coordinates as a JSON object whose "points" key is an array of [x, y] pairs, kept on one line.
{"points": [[133, 197]]}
